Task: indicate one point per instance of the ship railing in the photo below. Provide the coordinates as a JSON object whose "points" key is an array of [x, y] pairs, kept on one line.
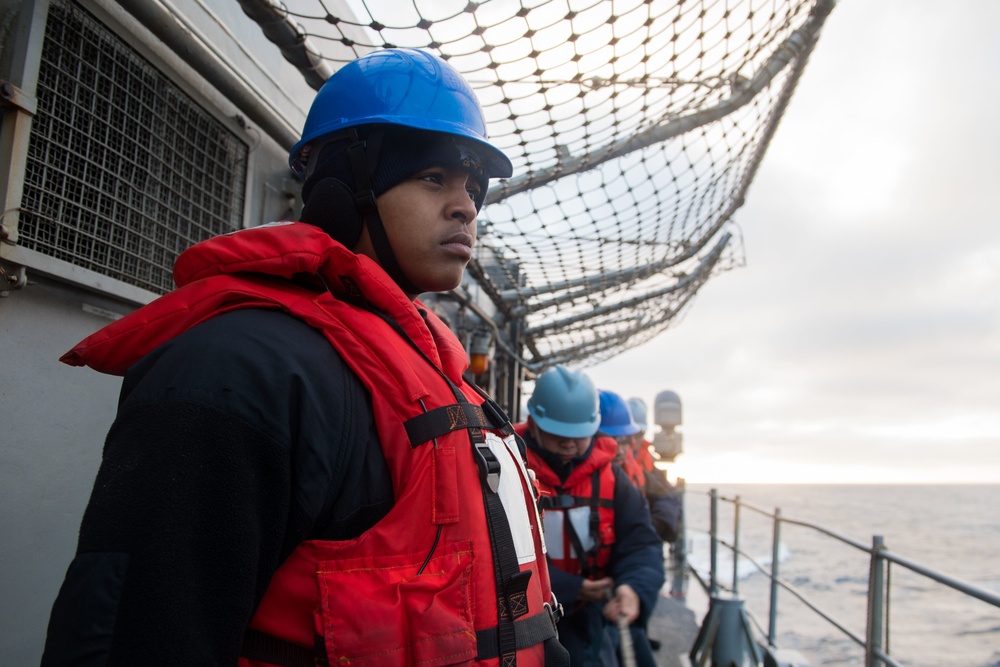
{"points": [[875, 643]]}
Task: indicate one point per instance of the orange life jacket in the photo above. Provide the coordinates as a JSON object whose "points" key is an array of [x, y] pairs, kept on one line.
{"points": [[455, 573], [578, 513], [635, 471], [644, 455]]}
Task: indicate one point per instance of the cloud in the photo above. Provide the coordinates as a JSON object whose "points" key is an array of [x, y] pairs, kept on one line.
{"points": [[862, 340]]}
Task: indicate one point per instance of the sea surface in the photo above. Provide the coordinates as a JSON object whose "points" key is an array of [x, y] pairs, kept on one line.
{"points": [[953, 529]]}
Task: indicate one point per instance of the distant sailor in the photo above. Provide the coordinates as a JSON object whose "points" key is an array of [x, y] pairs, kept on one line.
{"points": [[606, 560]]}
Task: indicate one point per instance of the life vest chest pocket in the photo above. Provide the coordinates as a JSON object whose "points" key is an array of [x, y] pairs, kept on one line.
{"points": [[378, 611]]}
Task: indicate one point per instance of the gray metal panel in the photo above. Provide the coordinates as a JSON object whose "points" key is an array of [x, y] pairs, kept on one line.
{"points": [[53, 420]]}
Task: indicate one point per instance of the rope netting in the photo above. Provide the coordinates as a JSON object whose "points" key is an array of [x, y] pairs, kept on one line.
{"points": [[635, 128]]}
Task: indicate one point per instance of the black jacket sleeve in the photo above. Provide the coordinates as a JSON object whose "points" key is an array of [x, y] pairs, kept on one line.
{"points": [[565, 586], [637, 557], [233, 442]]}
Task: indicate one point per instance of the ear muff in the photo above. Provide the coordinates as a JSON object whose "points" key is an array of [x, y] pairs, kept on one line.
{"points": [[331, 207]]}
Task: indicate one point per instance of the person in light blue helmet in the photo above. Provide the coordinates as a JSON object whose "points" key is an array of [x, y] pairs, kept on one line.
{"points": [[284, 466], [605, 560]]}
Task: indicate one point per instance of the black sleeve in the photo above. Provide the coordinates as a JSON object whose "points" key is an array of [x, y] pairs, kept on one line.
{"points": [[565, 586], [637, 556], [230, 442]]}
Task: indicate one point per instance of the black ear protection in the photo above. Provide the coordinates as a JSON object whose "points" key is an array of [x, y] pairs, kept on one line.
{"points": [[331, 207], [343, 212]]}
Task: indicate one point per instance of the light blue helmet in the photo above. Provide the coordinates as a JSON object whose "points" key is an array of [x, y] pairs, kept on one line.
{"points": [[399, 87], [616, 417], [565, 403], [639, 414]]}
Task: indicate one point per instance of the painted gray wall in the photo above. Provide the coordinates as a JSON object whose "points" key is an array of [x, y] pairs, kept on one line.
{"points": [[53, 419]]}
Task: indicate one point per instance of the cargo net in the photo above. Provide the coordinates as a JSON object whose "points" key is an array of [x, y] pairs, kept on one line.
{"points": [[635, 128]]}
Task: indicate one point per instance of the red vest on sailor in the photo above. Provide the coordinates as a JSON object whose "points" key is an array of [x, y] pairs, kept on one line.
{"points": [[420, 587], [577, 509]]}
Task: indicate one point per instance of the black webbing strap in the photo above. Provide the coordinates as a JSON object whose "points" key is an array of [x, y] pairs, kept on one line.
{"points": [[440, 421], [595, 516], [498, 418], [511, 583], [581, 554], [562, 502], [530, 631], [277, 651]]}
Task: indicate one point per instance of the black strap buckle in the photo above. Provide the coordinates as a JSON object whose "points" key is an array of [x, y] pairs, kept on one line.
{"points": [[489, 466], [365, 201], [555, 610], [560, 502]]}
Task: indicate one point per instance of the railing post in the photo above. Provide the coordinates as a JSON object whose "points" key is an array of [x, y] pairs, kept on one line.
{"points": [[678, 586], [713, 582], [772, 615], [736, 547], [876, 603]]}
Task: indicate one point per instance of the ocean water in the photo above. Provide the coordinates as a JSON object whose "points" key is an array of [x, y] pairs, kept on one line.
{"points": [[953, 529]]}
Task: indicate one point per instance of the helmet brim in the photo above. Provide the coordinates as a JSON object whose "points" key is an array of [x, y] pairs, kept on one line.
{"points": [[497, 165], [567, 429], [618, 431]]}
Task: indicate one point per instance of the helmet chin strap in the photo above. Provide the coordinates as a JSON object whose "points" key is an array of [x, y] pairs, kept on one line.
{"points": [[363, 155]]}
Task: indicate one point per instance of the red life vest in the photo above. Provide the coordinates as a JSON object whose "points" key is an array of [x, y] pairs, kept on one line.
{"points": [[644, 455], [581, 508], [421, 586], [635, 471]]}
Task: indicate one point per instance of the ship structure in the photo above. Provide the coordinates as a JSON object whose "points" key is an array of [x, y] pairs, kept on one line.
{"points": [[132, 129]]}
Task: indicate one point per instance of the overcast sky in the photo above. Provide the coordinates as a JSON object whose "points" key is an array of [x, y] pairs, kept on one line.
{"points": [[861, 343]]}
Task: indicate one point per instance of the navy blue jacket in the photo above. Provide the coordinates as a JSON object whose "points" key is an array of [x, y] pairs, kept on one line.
{"points": [[233, 442], [636, 560]]}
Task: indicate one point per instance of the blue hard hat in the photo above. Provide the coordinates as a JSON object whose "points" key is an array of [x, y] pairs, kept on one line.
{"points": [[399, 87], [616, 417], [564, 403], [639, 414]]}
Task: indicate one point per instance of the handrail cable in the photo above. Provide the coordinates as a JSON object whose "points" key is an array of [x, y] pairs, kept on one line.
{"points": [[791, 589], [878, 552]]}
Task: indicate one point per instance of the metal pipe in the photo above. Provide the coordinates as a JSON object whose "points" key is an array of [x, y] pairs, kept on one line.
{"points": [[713, 586], [679, 548], [876, 601], [592, 349], [21, 63], [968, 589], [698, 275], [204, 58], [736, 547], [799, 43], [287, 35], [612, 278], [772, 616]]}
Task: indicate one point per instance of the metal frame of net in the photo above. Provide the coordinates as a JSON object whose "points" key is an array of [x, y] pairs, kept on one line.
{"points": [[635, 128]]}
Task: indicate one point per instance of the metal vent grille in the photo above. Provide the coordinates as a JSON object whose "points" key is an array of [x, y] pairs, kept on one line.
{"points": [[124, 170]]}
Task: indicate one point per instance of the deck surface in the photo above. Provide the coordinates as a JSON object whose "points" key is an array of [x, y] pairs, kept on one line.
{"points": [[676, 627]]}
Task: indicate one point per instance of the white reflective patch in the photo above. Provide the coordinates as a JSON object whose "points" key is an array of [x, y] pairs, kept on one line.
{"points": [[580, 517], [553, 526], [513, 476], [553, 523]]}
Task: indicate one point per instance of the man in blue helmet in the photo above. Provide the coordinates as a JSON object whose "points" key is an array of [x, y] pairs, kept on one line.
{"points": [[618, 421], [606, 561], [665, 506], [286, 482]]}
